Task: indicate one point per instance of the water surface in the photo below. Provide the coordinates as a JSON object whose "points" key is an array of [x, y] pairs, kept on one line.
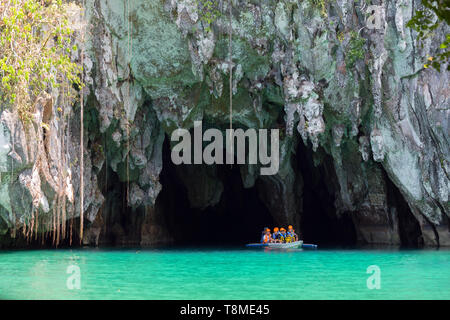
{"points": [[224, 274]]}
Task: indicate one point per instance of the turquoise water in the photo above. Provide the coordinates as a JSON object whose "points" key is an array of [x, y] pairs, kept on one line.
{"points": [[224, 274]]}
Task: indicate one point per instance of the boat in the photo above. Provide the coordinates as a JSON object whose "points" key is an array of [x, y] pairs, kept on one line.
{"points": [[288, 245]]}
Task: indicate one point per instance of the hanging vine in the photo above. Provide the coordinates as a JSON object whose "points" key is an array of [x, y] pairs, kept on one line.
{"points": [[127, 123], [82, 140], [37, 56]]}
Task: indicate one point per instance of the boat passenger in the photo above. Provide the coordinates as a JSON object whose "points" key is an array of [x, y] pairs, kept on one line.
{"points": [[275, 235], [288, 238], [282, 235], [263, 232], [266, 238], [291, 234]]}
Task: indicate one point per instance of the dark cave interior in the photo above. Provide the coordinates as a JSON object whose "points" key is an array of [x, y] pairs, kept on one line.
{"points": [[320, 224], [237, 218], [240, 214], [409, 228]]}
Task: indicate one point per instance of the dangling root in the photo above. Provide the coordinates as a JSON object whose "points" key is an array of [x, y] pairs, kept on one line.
{"points": [[30, 229], [54, 222], [37, 224], [71, 224], [63, 208]]}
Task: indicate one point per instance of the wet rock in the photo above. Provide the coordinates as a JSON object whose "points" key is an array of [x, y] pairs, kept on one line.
{"points": [[384, 114], [376, 141]]}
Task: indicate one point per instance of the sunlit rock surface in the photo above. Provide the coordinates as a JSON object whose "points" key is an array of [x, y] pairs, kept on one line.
{"points": [[382, 120]]}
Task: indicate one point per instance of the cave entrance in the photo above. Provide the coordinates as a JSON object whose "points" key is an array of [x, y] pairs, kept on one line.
{"points": [[408, 226], [239, 215], [319, 222], [234, 216]]}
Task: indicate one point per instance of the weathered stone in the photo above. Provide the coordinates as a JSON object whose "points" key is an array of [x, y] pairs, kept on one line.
{"points": [[167, 70]]}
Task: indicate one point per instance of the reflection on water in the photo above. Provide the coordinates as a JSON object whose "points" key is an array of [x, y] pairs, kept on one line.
{"points": [[223, 274]]}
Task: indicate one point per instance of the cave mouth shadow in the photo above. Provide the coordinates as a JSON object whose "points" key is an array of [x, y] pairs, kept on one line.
{"points": [[410, 232], [240, 215], [237, 218], [320, 223]]}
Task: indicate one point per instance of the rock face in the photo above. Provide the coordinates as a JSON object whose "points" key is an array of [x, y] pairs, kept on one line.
{"points": [[356, 96]]}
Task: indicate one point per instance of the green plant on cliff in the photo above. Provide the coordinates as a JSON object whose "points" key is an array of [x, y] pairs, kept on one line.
{"points": [[355, 49], [209, 12], [35, 52], [321, 5], [425, 22]]}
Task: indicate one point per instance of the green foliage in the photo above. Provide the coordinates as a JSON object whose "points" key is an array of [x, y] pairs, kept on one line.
{"points": [[321, 5], [425, 22], [35, 48], [208, 12], [355, 49]]}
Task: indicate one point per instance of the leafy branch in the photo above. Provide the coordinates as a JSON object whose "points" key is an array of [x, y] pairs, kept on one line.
{"points": [[209, 12], [36, 52], [425, 22], [355, 49]]}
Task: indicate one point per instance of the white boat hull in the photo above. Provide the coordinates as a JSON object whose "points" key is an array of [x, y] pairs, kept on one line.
{"points": [[289, 245]]}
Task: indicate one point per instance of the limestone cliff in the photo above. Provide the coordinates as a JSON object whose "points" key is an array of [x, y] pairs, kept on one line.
{"points": [[355, 105]]}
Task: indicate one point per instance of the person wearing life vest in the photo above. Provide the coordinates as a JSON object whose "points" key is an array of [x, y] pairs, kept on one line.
{"points": [[288, 237], [275, 235], [266, 237], [282, 235], [262, 234], [291, 234]]}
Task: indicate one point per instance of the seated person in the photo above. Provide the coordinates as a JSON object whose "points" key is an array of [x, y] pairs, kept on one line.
{"points": [[266, 237], [291, 234], [282, 235], [275, 235]]}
